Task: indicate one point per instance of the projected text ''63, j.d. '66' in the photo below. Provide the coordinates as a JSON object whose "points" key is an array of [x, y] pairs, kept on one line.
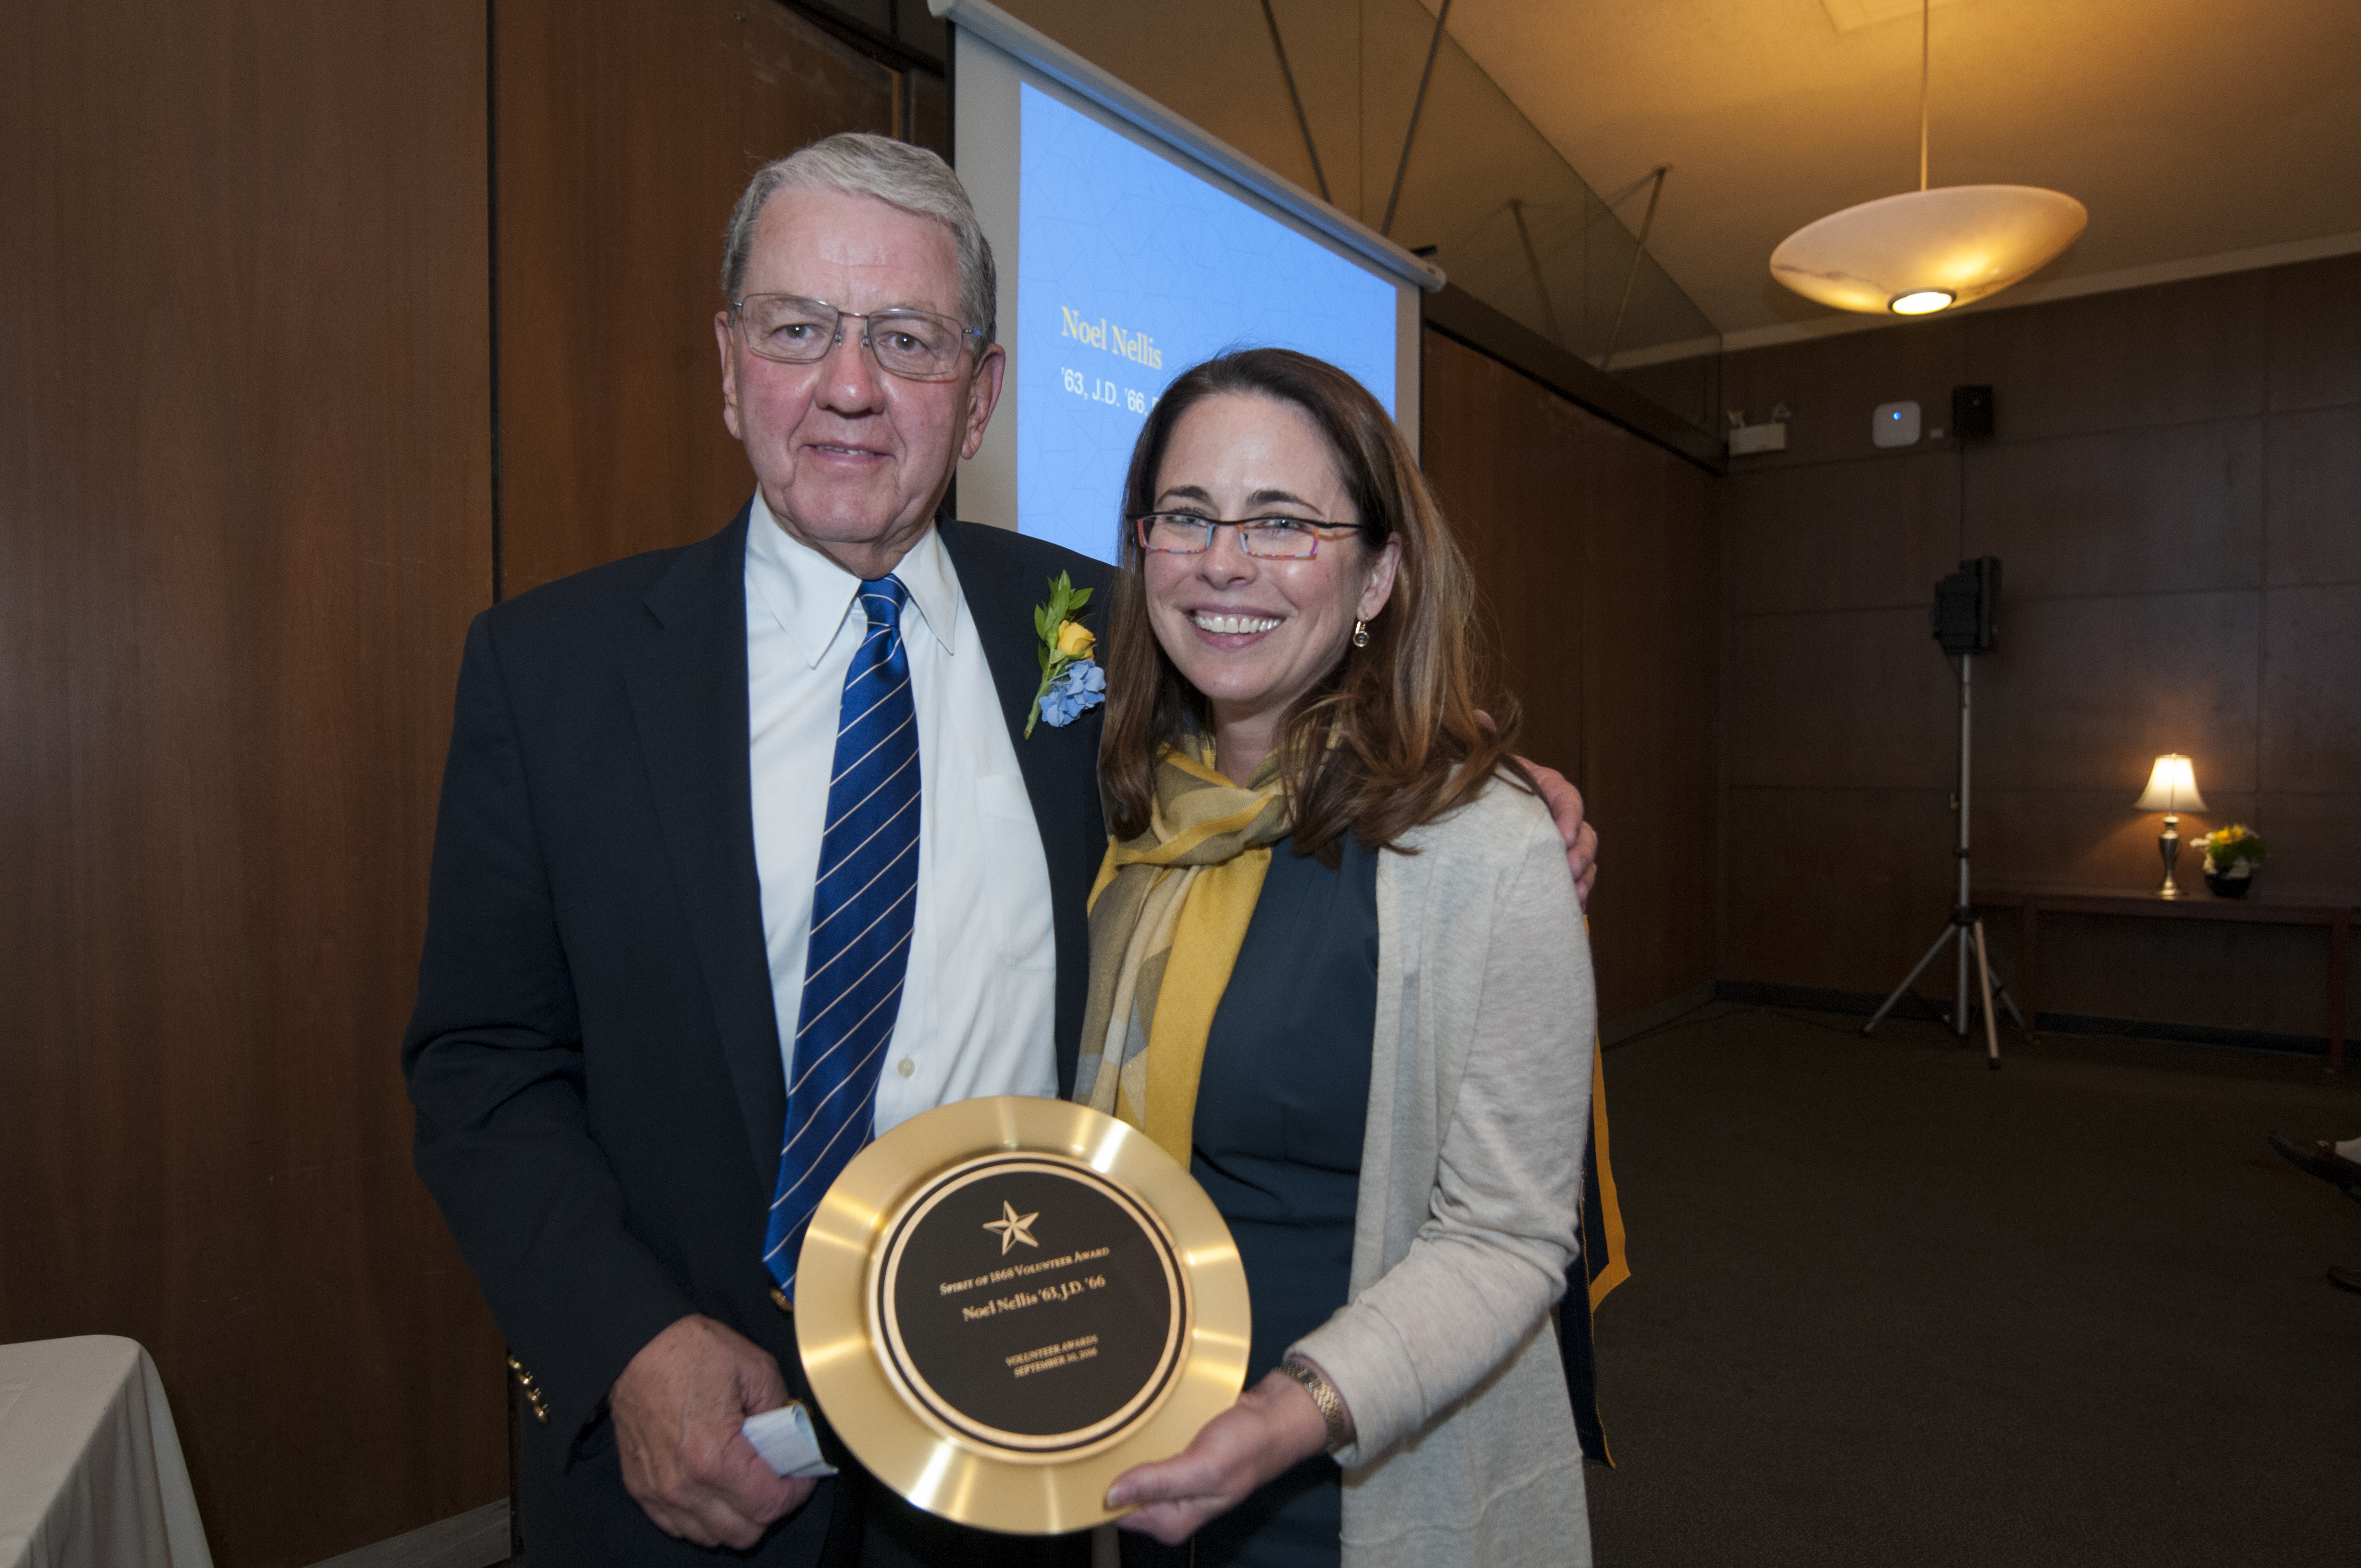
{"points": [[1099, 390]]}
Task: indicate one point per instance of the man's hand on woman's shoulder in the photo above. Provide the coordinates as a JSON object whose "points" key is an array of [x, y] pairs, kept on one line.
{"points": [[1564, 803]]}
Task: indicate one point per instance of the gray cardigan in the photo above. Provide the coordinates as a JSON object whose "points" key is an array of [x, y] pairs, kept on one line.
{"points": [[1471, 1178]]}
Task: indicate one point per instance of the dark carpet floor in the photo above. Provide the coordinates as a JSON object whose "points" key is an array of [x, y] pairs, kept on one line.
{"points": [[1888, 1308]]}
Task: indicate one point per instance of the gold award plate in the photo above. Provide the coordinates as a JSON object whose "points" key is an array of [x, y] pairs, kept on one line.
{"points": [[1005, 1303]]}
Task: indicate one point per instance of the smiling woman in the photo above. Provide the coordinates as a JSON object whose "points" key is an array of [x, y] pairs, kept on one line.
{"points": [[1253, 612], [1291, 664], [1240, 632]]}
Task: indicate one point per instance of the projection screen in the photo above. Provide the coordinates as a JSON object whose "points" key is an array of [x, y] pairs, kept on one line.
{"points": [[1130, 246]]}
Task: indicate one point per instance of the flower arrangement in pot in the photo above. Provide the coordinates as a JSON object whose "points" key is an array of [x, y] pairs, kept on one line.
{"points": [[2231, 853]]}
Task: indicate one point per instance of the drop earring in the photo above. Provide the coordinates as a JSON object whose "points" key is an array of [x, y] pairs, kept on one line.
{"points": [[1360, 634]]}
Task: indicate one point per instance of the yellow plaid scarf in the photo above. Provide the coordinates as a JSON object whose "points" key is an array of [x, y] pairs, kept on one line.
{"points": [[1168, 917]]}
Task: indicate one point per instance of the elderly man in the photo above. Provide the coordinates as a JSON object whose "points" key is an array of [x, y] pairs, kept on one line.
{"points": [[743, 855]]}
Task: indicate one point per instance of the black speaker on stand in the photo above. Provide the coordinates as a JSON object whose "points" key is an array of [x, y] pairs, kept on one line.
{"points": [[1966, 622]]}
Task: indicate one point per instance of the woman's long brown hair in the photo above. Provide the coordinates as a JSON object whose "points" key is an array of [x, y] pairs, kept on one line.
{"points": [[1394, 736]]}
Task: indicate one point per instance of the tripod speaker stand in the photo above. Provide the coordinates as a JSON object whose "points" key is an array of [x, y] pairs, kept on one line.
{"points": [[1966, 605]]}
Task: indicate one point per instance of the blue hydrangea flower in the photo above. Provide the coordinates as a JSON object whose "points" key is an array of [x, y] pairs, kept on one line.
{"points": [[1080, 685]]}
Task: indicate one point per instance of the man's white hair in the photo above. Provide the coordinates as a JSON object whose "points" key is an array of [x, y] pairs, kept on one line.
{"points": [[895, 172]]}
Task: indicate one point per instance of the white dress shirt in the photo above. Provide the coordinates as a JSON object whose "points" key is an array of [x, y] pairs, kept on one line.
{"points": [[978, 1005]]}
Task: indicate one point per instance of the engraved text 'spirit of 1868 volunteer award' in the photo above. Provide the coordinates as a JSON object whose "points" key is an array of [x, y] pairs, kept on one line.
{"points": [[1005, 1303]]}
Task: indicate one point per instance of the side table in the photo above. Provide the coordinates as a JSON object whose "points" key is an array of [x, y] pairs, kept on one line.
{"points": [[2031, 902]]}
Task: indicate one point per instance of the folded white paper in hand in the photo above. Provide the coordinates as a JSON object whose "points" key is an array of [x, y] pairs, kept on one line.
{"points": [[784, 1439]]}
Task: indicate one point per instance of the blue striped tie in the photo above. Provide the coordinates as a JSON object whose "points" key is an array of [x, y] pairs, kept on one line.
{"points": [[861, 909]]}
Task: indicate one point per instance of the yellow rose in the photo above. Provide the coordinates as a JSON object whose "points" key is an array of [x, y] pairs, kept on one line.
{"points": [[1075, 639]]}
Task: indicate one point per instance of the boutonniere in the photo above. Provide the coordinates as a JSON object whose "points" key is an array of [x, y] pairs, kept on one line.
{"points": [[1072, 680]]}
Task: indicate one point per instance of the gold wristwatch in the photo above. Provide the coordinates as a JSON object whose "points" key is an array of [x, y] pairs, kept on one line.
{"points": [[1323, 1394]]}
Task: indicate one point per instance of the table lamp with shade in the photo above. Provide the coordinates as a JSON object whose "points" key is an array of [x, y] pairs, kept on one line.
{"points": [[2172, 789]]}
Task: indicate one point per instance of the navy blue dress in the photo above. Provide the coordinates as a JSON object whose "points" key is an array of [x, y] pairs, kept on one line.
{"points": [[1281, 1107]]}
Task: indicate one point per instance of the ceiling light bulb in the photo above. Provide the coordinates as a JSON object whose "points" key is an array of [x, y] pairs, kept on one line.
{"points": [[1926, 301]]}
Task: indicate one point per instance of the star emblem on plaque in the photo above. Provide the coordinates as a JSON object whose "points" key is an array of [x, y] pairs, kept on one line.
{"points": [[1011, 1227], [1006, 1387]]}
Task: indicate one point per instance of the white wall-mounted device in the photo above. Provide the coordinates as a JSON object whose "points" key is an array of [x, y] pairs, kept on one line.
{"points": [[1894, 424], [1748, 439]]}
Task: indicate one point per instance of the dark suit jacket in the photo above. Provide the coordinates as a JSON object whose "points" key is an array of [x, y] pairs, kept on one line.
{"points": [[594, 1059]]}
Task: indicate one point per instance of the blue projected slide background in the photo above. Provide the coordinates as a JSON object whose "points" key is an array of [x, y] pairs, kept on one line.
{"points": [[1130, 271]]}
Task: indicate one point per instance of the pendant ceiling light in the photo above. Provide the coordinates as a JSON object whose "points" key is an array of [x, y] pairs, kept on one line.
{"points": [[1924, 251]]}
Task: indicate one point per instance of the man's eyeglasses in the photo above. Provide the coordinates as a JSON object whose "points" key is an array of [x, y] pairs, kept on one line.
{"points": [[1270, 537], [918, 345]]}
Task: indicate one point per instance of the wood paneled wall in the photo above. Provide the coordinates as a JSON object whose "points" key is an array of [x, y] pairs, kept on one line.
{"points": [[247, 505], [245, 515], [1597, 555], [2175, 492], [621, 148]]}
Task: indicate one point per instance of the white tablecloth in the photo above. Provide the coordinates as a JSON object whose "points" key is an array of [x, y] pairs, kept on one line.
{"points": [[91, 1473]]}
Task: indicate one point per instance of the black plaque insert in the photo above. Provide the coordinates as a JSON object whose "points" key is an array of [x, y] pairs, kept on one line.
{"points": [[1026, 1303]]}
